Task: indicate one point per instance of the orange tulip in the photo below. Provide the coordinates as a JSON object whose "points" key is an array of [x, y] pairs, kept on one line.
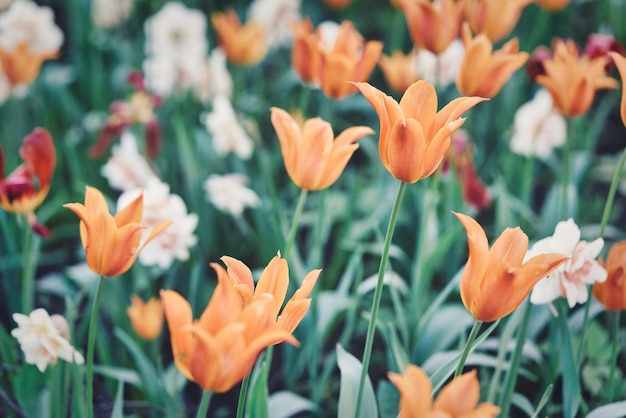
{"points": [[433, 24], [400, 70], [553, 5], [28, 185], [337, 4], [273, 281], [494, 18], [414, 137], [612, 292], [572, 79], [330, 63], [620, 63], [496, 281], [146, 318], [483, 72], [219, 349], [112, 243], [21, 65], [457, 399], [314, 159], [243, 44]]}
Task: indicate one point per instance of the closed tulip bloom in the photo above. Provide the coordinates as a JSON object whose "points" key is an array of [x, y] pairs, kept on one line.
{"points": [[399, 69], [572, 79], [484, 71], [433, 24], [458, 399], [27, 186], [112, 243], [494, 18], [497, 280], [414, 137], [620, 63], [146, 318], [243, 44], [333, 55], [22, 65], [313, 157], [553, 5], [612, 292]]}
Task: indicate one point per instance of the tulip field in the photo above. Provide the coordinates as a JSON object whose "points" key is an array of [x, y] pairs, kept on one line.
{"points": [[313, 208]]}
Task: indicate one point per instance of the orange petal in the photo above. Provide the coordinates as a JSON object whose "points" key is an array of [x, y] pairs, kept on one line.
{"points": [[406, 149], [274, 280], [460, 396], [178, 316], [415, 391], [620, 63]]}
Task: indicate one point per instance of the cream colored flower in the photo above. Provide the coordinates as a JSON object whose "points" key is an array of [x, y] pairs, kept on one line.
{"points": [[107, 14], [127, 169], [538, 127], [229, 193], [227, 132], [26, 22], [570, 280], [44, 339], [274, 16], [440, 69]]}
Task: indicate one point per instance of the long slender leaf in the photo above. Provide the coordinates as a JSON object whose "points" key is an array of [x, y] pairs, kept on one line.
{"points": [[350, 368]]}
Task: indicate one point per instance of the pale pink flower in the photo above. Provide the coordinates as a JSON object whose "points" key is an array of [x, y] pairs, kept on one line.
{"points": [[44, 339], [571, 279], [108, 14], [228, 134], [440, 69], [274, 16]]}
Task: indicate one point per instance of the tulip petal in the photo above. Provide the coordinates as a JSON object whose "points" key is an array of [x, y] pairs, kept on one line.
{"points": [[240, 276], [419, 102], [178, 316], [415, 391], [225, 304], [275, 281], [620, 63]]}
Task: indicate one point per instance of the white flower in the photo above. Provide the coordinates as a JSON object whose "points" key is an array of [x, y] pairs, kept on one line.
{"points": [[538, 127], [107, 14], [570, 280], [127, 169], [441, 69], [159, 205], [228, 134], [44, 339], [229, 193], [26, 22], [216, 79], [176, 48], [273, 16]]}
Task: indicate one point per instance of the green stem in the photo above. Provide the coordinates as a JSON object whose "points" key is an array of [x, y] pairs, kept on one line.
{"points": [[567, 162], [511, 377], [243, 391], [468, 347], [203, 408], [369, 341], [608, 205], [29, 262], [527, 180], [294, 222], [91, 340], [614, 351]]}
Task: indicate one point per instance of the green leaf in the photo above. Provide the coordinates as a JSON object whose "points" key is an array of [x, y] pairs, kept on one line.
{"points": [[259, 394], [388, 399], [285, 404], [118, 406], [119, 373], [151, 382], [29, 388], [350, 368], [569, 367], [612, 410], [545, 398]]}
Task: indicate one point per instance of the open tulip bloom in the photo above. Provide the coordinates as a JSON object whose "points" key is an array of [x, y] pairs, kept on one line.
{"points": [[497, 280], [414, 137]]}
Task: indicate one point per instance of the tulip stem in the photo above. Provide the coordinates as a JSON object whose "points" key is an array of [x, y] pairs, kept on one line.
{"points": [[565, 209], [608, 205], [203, 408], [29, 260], [91, 339], [468, 347], [614, 352], [511, 376], [371, 329], [243, 392], [294, 223]]}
